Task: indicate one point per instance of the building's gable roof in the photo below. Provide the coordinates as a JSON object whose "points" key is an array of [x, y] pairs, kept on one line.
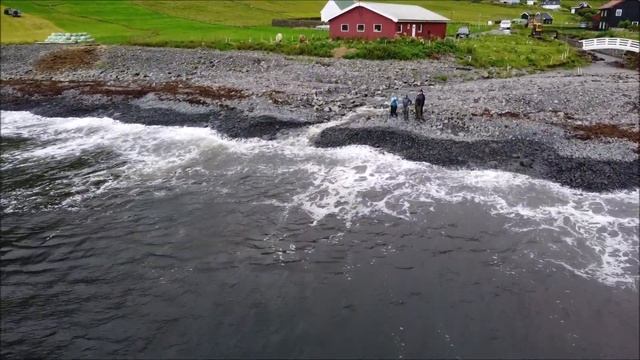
{"points": [[611, 4], [546, 16], [398, 12], [343, 4], [582, 5], [550, 2]]}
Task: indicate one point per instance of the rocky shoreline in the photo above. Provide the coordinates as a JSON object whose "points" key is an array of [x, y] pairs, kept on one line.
{"points": [[575, 127]]}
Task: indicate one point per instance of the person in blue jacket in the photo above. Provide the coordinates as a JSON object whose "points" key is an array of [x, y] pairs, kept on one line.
{"points": [[394, 107]]}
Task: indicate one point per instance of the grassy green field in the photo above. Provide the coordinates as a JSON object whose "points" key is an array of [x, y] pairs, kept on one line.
{"points": [[162, 21], [28, 28], [245, 25], [123, 22]]}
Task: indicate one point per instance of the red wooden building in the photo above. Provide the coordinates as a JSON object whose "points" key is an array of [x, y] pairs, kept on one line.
{"points": [[368, 20]]}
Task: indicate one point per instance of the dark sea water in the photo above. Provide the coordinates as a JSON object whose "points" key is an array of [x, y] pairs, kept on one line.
{"points": [[124, 240]]}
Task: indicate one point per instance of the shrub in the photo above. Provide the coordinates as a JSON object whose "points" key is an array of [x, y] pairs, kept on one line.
{"points": [[586, 13], [625, 24], [400, 49], [606, 33]]}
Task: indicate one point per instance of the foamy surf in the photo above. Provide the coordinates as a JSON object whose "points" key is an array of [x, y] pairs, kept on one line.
{"points": [[600, 231]]}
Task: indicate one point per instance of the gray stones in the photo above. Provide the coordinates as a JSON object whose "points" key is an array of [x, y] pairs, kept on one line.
{"points": [[539, 107]]}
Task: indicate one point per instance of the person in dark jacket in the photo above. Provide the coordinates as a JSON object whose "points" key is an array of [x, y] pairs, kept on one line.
{"points": [[406, 102], [394, 107], [419, 105]]}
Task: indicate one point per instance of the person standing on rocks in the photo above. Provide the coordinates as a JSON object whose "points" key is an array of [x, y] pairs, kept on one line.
{"points": [[405, 107], [394, 107], [420, 105]]}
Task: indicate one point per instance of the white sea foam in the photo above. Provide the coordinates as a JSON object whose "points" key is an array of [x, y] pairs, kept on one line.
{"points": [[356, 181]]}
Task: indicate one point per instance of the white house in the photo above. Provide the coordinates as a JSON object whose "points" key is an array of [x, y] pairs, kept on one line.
{"points": [[510, 2], [333, 8], [551, 4], [531, 2]]}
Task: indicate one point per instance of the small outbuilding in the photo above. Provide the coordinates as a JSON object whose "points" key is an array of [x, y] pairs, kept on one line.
{"points": [[545, 18], [370, 21]]}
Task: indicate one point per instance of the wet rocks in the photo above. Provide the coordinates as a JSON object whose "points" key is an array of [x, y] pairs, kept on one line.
{"points": [[583, 173], [526, 163]]}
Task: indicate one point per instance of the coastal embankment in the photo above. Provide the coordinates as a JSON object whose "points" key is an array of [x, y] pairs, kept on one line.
{"points": [[575, 127]]}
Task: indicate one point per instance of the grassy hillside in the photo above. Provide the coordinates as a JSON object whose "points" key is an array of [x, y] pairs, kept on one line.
{"points": [[260, 12], [28, 28], [236, 12]]}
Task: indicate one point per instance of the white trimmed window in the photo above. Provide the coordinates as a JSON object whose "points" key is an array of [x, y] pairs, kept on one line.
{"points": [[419, 28], [377, 27], [360, 27], [618, 12], [399, 28], [344, 27]]}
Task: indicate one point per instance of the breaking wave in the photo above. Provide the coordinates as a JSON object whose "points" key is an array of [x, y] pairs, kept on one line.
{"points": [[599, 231]]}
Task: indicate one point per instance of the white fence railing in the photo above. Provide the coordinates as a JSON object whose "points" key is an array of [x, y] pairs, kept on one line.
{"points": [[611, 43]]}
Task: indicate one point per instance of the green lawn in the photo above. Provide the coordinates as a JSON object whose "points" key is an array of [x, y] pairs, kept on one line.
{"points": [[517, 51]]}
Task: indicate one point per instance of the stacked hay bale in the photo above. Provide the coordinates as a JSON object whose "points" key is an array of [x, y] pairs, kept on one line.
{"points": [[69, 38]]}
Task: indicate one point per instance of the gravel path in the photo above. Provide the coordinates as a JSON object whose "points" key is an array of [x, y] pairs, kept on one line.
{"points": [[463, 104]]}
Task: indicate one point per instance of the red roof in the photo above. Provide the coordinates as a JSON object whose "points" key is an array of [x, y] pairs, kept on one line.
{"points": [[611, 4]]}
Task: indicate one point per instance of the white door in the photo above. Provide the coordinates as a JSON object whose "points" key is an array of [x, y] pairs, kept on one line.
{"points": [[413, 30]]}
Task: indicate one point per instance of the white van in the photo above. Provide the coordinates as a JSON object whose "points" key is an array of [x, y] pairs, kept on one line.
{"points": [[505, 25]]}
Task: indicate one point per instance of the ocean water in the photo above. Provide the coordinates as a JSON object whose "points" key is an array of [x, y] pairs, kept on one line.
{"points": [[123, 240]]}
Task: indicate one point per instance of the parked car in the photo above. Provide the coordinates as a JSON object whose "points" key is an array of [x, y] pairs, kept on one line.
{"points": [[463, 32], [505, 25]]}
